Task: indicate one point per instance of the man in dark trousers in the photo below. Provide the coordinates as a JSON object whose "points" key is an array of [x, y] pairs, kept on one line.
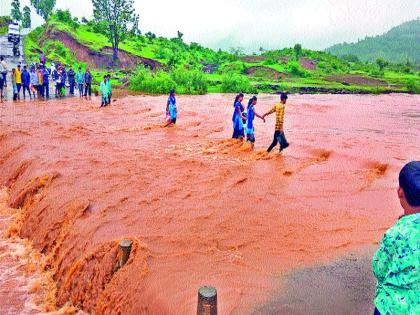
{"points": [[46, 81], [279, 137], [88, 83], [26, 81], [71, 77]]}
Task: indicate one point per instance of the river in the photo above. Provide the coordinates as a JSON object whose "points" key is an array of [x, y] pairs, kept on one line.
{"points": [[199, 207]]}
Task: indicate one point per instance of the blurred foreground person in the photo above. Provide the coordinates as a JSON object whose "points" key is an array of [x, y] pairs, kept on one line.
{"points": [[396, 264]]}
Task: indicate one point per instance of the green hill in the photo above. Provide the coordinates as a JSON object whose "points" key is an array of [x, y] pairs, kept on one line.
{"points": [[153, 64], [400, 44]]}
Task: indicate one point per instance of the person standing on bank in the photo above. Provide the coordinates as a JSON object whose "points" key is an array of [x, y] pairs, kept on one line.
{"points": [[26, 82], [396, 264], [71, 74], [1, 85], [40, 88], [80, 80], [108, 82], [88, 83], [4, 69], [103, 87], [279, 136], [238, 118], [18, 76], [14, 86], [34, 81], [46, 82]]}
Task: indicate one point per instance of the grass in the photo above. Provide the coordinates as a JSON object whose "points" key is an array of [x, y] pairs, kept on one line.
{"points": [[4, 24]]}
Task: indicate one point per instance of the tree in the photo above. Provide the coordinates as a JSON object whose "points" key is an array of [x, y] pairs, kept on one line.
{"points": [[135, 30], [15, 12], [180, 35], [298, 51], [35, 4], [116, 17], [150, 36], [381, 63], [43, 8], [26, 22], [237, 51]]}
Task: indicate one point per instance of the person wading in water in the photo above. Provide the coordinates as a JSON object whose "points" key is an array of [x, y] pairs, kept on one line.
{"points": [[279, 136], [238, 118]]}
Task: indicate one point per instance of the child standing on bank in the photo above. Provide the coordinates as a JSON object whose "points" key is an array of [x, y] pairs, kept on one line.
{"points": [[279, 136], [105, 92], [251, 113], [171, 110]]}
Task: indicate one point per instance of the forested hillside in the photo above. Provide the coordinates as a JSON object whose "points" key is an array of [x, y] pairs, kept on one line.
{"points": [[400, 44]]}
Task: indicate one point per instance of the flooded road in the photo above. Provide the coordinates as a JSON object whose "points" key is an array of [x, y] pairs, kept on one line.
{"points": [[199, 207]]}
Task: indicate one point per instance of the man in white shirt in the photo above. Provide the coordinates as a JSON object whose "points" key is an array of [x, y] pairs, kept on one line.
{"points": [[3, 69]]}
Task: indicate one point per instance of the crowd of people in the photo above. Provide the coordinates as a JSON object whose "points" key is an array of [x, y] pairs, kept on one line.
{"points": [[37, 80]]}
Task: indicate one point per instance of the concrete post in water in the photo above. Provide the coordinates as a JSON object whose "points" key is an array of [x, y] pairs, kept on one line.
{"points": [[125, 247], [207, 301]]}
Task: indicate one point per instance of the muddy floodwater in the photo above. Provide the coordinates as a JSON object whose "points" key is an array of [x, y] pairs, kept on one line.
{"points": [[199, 207]]}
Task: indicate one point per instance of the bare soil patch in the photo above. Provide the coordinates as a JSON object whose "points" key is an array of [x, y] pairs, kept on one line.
{"points": [[356, 79], [99, 59], [252, 59], [265, 72], [307, 63]]}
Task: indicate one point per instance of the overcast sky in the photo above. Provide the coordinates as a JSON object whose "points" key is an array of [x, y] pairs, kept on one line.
{"points": [[316, 24]]}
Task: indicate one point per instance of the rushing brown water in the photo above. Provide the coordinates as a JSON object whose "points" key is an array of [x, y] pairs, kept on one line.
{"points": [[200, 208]]}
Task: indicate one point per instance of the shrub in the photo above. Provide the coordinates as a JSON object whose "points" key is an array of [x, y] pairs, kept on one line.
{"points": [[185, 81], [146, 81], [270, 61], [295, 69], [350, 58], [413, 86], [235, 83], [65, 17], [189, 82]]}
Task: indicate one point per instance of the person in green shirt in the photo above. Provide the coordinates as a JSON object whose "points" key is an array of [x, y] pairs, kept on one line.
{"points": [[80, 80], [108, 82], [103, 87], [396, 264]]}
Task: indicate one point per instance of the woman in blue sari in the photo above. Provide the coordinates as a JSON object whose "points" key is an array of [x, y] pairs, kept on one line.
{"points": [[171, 109], [238, 118]]}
